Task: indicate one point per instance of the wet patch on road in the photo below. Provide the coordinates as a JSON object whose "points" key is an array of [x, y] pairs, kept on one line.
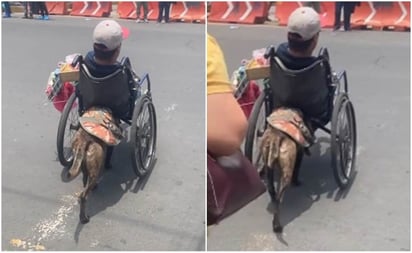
{"points": [[50, 228]]}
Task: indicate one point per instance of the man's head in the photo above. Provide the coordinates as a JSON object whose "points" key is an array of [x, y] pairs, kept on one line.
{"points": [[303, 30], [107, 40]]}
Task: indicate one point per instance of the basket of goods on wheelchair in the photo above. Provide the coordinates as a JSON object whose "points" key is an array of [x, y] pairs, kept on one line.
{"points": [[61, 83], [244, 80]]}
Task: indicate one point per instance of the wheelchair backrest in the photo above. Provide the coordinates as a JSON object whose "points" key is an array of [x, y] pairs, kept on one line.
{"points": [[306, 89], [111, 91]]}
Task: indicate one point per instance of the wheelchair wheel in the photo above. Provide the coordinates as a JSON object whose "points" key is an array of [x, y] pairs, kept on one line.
{"points": [[257, 123], [143, 136], [343, 140], [68, 125]]}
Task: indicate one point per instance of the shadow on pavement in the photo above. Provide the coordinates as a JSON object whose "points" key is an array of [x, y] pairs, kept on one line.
{"points": [[317, 178]]}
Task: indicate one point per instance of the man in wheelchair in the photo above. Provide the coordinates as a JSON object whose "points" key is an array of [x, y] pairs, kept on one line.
{"points": [[294, 79], [297, 55], [303, 33], [104, 81]]}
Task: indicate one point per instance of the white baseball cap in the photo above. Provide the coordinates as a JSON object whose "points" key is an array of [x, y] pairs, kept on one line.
{"points": [[304, 21], [108, 33]]}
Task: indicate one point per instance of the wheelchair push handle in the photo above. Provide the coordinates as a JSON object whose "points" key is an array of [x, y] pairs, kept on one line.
{"points": [[77, 59], [270, 51]]}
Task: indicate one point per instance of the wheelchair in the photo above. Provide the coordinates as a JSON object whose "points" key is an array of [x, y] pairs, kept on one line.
{"points": [[129, 106], [322, 95]]}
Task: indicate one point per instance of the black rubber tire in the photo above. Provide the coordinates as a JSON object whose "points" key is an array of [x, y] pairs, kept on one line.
{"points": [[343, 160], [65, 160], [250, 134], [142, 163]]}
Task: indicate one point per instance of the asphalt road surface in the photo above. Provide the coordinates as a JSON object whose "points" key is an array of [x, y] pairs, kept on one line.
{"points": [[39, 210], [374, 214]]}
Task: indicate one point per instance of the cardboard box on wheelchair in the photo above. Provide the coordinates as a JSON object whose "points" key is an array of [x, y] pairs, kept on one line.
{"points": [[68, 73], [255, 70]]}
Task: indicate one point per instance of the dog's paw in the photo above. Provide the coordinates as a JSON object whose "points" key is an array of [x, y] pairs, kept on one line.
{"points": [[84, 219], [277, 229]]}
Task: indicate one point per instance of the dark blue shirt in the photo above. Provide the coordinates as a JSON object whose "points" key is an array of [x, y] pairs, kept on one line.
{"points": [[292, 62], [98, 70]]}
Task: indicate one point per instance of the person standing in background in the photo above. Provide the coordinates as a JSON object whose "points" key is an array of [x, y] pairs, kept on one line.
{"points": [[348, 9], [7, 10], [164, 7], [28, 9], [145, 11], [42, 8]]}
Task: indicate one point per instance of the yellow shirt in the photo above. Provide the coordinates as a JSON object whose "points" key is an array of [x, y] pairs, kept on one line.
{"points": [[217, 76]]}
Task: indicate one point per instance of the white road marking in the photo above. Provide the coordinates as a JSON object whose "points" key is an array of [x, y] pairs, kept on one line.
{"points": [[171, 108]]}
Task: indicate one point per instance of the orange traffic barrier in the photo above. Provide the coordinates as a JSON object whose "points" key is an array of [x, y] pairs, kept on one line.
{"points": [[127, 10], [404, 21], [372, 15], [391, 15], [153, 10], [382, 15], [326, 12], [283, 10], [57, 8], [188, 11], [91, 9], [239, 12], [363, 17]]}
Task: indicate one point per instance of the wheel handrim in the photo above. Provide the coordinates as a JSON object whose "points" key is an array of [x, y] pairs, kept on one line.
{"points": [[145, 137], [345, 139]]}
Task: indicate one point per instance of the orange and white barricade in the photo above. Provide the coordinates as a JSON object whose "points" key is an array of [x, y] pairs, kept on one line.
{"points": [[91, 9], [372, 15], [239, 12], [57, 8]]}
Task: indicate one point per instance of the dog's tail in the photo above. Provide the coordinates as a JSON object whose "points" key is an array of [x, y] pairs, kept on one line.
{"points": [[79, 154], [271, 148]]}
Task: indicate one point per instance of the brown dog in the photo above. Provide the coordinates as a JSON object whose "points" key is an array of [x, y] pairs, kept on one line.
{"points": [[280, 151], [89, 156]]}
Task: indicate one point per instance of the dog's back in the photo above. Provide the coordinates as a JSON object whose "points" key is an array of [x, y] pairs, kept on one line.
{"points": [[89, 152], [278, 150]]}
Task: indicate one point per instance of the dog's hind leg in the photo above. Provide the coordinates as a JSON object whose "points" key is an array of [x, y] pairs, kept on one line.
{"points": [[277, 228], [84, 218], [270, 176], [270, 153], [286, 162], [85, 176], [93, 164], [90, 183], [295, 176]]}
